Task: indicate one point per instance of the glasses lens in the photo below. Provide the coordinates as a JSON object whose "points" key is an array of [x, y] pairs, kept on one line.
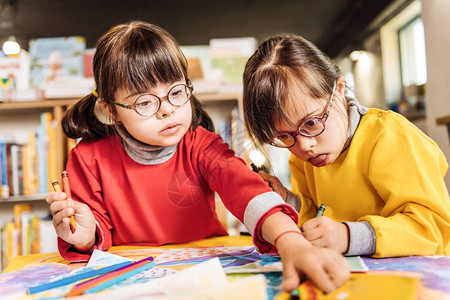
{"points": [[179, 95], [311, 127], [283, 141], [147, 105]]}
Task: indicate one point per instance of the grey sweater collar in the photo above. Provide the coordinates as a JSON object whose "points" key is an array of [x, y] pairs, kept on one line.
{"points": [[143, 153], [355, 112]]}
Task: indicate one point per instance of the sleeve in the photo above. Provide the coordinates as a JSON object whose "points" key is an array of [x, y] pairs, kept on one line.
{"points": [[406, 169], [243, 192], [300, 187], [362, 238], [86, 188]]}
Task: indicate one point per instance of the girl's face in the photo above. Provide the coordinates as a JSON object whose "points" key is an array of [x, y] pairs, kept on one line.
{"points": [[165, 128], [323, 149]]}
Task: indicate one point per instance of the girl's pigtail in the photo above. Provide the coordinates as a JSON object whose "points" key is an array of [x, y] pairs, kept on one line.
{"points": [[200, 117], [80, 121]]}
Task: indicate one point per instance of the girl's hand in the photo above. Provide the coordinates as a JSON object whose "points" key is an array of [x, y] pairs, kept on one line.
{"points": [[326, 268], [275, 184], [84, 236], [323, 232]]}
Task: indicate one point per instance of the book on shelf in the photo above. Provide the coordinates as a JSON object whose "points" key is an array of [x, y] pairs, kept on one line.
{"points": [[57, 66], [4, 187], [29, 233], [229, 56], [15, 77], [88, 57], [26, 168], [232, 131]]}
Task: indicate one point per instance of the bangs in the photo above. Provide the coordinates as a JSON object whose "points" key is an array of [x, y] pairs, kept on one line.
{"points": [[272, 91], [141, 58], [265, 102]]}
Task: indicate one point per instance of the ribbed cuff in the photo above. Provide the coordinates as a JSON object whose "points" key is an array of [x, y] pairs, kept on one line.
{"points": [[362, 238]]}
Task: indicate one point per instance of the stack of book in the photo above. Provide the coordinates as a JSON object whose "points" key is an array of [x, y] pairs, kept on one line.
{"points": [[26, 167], [28, 233]]}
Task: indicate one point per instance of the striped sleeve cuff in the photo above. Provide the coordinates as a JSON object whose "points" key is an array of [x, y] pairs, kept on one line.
{"points": [[257, 210]]}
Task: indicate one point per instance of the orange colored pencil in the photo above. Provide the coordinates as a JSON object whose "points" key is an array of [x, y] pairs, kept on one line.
{"points": [[66, 189]]}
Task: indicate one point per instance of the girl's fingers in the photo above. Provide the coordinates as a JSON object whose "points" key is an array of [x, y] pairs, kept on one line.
{"points": [[312, 234], [310, 224], [291, 278], [322, 280], [55, 196]]}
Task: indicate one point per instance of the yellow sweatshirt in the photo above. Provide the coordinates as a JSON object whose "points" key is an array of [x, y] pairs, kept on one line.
{"points": [[391, 176]]}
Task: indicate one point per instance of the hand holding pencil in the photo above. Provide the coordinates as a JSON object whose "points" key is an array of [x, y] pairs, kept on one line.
{"points": [[80, 234], [66, 186]]}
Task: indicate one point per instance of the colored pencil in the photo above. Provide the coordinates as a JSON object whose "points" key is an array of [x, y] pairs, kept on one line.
{"points": [[120, 278], [82, 287], [75, 278]]}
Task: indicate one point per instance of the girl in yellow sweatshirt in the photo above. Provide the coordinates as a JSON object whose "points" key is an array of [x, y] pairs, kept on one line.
{"points": [[380, 177]]}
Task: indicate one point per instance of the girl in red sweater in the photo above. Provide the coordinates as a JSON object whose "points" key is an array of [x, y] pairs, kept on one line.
{"points": [[146, 169]]}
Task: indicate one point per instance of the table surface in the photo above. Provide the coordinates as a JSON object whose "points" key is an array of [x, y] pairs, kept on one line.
{"points": [[434, 271]]}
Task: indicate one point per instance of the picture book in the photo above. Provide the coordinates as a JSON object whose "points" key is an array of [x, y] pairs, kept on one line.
{"points": [[56, 58], [229, 56]]}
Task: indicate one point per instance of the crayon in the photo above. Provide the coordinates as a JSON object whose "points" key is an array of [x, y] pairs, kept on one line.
{"points": [[255, 168], [321, 210], [66, 187]]}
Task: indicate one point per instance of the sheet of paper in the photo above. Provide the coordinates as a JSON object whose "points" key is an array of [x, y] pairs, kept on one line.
{"points": [[356, 264], [102, 259], [208, 274]]}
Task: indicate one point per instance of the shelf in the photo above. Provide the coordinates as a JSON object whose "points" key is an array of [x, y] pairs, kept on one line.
{"points": [[21, 106], [38, 197], [50, 103]]}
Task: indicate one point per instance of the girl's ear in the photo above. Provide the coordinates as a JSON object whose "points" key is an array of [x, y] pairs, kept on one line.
{"points": [[103, 112], [340, 87]]}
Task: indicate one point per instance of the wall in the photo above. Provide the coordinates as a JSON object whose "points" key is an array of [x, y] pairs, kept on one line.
{"points": [[368, 74], [436, 21]]}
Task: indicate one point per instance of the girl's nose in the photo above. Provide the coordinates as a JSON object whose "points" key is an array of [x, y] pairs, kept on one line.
{"points": [[165, 109], [305, 143]]}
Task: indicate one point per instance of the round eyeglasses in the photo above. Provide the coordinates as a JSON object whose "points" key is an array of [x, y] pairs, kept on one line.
{"points": [[310, 127], [147, 105]]}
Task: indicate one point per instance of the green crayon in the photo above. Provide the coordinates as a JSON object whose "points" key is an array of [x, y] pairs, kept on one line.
{"points": [[321, 210]]}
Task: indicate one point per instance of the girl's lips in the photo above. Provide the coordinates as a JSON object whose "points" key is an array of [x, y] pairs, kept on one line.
{"points": [[319, 161], [170, 129]]}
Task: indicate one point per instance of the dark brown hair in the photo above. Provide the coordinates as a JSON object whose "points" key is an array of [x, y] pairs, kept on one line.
{"points": [[134, 56], [280, 66]]}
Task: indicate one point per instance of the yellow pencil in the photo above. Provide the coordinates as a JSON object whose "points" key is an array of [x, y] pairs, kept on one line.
{"points": [[57, 188]]}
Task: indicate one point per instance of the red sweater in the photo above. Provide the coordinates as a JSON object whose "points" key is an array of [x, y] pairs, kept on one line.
{"points": [[170, 202]]}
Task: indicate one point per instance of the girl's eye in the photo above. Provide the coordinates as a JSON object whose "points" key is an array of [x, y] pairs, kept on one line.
{"points": [[175, 93], [311, 123], [284, 137], [143, 104]]}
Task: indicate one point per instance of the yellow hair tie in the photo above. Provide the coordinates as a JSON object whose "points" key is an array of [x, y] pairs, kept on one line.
{"points": [[94, 92]]}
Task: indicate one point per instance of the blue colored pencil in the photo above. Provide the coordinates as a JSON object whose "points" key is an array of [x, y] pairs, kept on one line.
{"points": [[122, 277], [75, 278]]}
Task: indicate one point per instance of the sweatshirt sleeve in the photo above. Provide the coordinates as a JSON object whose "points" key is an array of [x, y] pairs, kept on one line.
{"points": [[85, 188], [406, 169]]}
